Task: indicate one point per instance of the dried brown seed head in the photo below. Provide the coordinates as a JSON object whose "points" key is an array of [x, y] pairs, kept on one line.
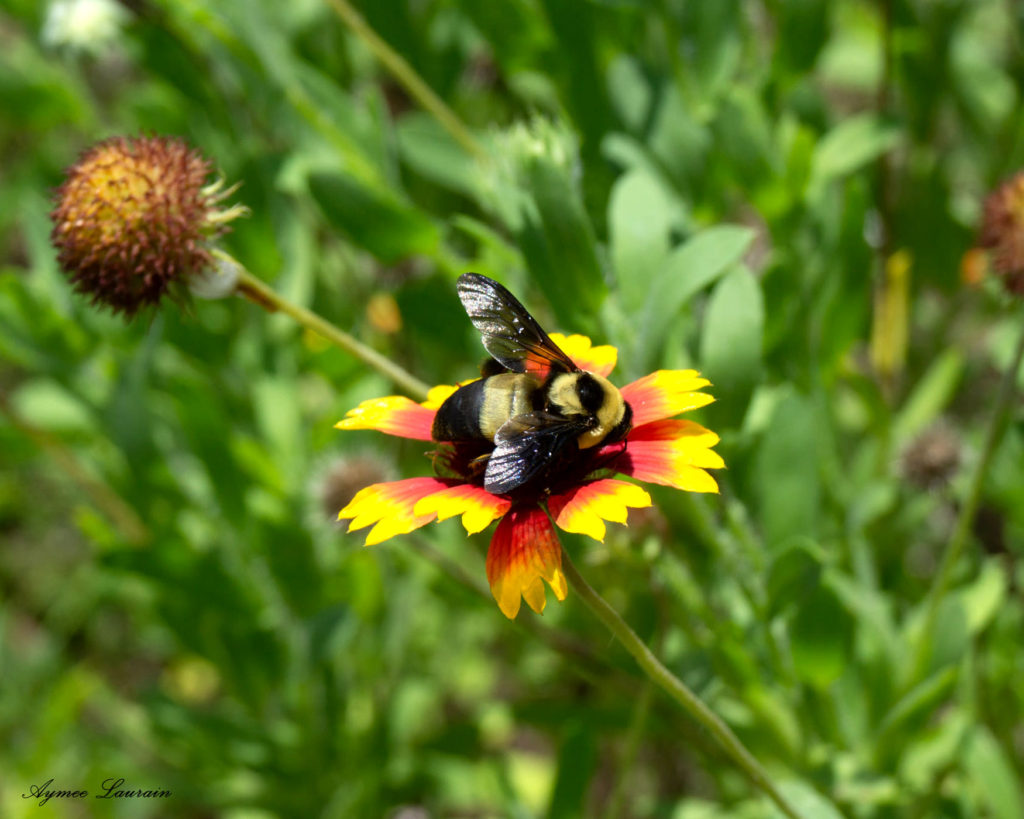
{"points": [[133, 218], [1002, 231]]}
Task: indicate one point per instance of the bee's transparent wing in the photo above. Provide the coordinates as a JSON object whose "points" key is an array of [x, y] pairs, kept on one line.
{"points": [[510, 334]]}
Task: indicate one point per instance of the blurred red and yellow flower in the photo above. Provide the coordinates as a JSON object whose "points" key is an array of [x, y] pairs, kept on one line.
{"points": [[525, 551]]}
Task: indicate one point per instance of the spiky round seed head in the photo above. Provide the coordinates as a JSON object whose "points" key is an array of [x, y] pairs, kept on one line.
{"points": [[1002, 231], [133, 218]]}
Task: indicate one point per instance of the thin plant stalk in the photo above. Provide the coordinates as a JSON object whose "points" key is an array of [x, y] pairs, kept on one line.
{"points": [[407, 76], [676, 688], [259, 293], [961, 533]]}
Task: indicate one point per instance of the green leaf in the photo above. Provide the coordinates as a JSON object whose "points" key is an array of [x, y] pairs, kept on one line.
{"points": [[629, 91], [794, 570], [935, 749], [431, 151], [787, 472], [821, 637], [681, 143], [985, 596], [946, 641], [803, 30], [291, 558], [977, 78], [950, 637], [799, 143], [558, 242], [931, 394], [853, 59], [717, 46], [689, 269], [852, 144], [374, 218], [775, 711], [744, 136], [640, 219], [876, 632], [576, 760], [914, 706], [993, 776], [806, 801], [279, 418], [730, 350], [48, 405]]}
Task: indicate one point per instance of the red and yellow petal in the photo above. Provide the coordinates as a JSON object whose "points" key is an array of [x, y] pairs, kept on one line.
{"points": [[398, 415], [600, 359], [671, 453], [394, 414], [665, 393], [477, 506], [688, 439], [524, 553], [437, 395], [671, 430], [662, 463], [391, 506], [585, 508]]}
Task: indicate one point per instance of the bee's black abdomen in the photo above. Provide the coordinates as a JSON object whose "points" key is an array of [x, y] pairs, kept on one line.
{"points": [[458, 418]]}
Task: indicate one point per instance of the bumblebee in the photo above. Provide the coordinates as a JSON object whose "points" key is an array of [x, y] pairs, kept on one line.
{"points": [[538, 409]]}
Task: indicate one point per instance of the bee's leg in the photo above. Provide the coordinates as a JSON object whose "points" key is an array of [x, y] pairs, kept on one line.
{"points": [[477, 468]]}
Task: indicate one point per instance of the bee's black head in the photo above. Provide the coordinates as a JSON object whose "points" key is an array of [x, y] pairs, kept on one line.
{"points": [[590, 392]]}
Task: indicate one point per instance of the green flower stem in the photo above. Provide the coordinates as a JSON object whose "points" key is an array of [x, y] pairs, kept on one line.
{"points": [[404, 73], [257, 292], [940, 585], [675, 687]]}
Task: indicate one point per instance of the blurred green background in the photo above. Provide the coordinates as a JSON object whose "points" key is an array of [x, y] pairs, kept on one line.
{"points": [[781, 193]]}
